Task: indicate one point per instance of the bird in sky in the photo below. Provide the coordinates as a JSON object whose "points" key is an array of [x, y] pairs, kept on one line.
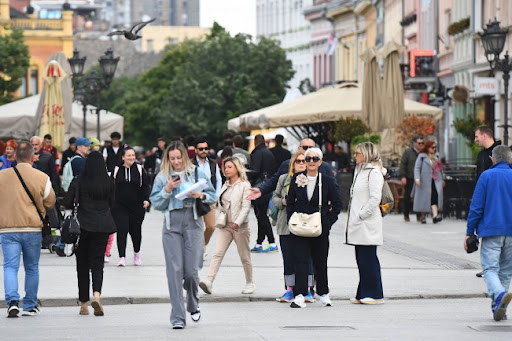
{"points": [[132, 33]]}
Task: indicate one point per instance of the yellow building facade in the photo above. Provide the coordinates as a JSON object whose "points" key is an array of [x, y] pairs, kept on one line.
{"points": [[43, 37], [155, 38]]}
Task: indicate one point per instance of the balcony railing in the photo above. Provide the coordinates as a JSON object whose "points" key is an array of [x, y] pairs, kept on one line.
{"points": [[35, 24]]}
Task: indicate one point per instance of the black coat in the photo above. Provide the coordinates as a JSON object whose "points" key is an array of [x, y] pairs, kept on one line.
{"points": [[280, 154], [263, 164], [297, 200], [46, 164], [94, 215], [483, 160]]}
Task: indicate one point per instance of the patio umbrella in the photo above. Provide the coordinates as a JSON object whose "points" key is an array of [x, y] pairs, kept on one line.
{"points": [[53, 114], [325, 105], [393, 89], [371, 104]]}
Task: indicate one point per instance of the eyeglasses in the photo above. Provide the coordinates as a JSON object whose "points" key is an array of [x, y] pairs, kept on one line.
{"points": [[200, 149], [314, 159], [300, 161], [306, 147]]}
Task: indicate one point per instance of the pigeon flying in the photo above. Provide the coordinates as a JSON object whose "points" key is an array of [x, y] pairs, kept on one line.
{"points": [[132, 33]]}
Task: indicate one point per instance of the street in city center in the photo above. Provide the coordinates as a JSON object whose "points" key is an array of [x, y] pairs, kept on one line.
{"points": [[429, 283]]}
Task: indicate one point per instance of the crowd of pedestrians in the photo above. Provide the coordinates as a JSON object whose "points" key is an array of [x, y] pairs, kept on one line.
{"points": [[201, 192]]}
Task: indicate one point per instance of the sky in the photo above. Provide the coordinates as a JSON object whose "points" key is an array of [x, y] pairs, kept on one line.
{"points": [[237, 16]]}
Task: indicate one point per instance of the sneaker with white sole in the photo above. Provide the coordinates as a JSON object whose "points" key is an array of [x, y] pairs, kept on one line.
{"points": [[178, 326], [122, 262], [13, 310], [355, 301], [206, 286], [106, 259], [249, 288], [196, 316], [298, 302], [32, 312], [369, 300], [325, 300]]}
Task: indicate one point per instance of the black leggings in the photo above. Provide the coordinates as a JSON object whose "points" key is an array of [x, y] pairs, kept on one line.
{"points": [[127, 222], [89, 256], [434, 199]]}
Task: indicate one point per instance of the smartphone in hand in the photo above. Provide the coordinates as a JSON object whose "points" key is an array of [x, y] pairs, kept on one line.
{"points": [[175, 177]]}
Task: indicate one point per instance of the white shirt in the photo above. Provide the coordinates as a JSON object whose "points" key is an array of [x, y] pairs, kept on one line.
{"points": [[205, 167]]}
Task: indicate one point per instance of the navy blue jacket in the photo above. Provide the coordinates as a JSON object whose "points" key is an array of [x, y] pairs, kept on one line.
{"points": [[297, 200]]}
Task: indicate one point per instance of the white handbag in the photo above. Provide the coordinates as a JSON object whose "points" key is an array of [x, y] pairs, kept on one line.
{"points": [[308, 225]]}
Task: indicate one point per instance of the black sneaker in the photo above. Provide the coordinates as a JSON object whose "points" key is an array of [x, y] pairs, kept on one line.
{"points": [[196, 316], [437, 219], [32, 312], [13, 310], [60, 252]]}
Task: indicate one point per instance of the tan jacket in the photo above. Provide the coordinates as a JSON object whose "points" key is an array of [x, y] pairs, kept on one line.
{"points": [[17, 212], [239, 205]]}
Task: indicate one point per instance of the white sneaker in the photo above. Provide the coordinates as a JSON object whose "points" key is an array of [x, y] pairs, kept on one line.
{"points": [[106, 259], [249, 288], [205, 254], [122, 262], [206, 285], [69, 249], [369, 300], [325, 300], [298, 302]]}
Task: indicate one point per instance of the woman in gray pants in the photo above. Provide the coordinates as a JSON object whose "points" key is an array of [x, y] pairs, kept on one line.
{"points": [[182, 235]]}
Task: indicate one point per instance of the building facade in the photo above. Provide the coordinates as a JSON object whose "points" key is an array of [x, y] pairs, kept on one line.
{"points": [[284, 21]]}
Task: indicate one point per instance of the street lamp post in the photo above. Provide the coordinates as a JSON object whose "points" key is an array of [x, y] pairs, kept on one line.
{"points": [[94, 82], [493, 40], [79, 94]]}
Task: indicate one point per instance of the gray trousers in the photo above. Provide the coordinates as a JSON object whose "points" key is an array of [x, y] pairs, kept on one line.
{"points": [[183, 250]]}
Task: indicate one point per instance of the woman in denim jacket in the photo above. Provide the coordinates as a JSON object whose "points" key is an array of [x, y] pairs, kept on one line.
{"points": [[182, 235]]}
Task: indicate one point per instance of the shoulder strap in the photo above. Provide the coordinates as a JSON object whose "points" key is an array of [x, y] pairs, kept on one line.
{"points": [[195, 173], [29, 194], [139, 168], [319, 191]]}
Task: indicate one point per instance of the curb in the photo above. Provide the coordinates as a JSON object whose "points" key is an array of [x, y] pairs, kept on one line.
{"points": [[73, 302]]}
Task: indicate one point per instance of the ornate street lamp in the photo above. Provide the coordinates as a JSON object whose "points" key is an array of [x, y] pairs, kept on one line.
{"points": [[77, 68], [493, 40], [94, 82]]}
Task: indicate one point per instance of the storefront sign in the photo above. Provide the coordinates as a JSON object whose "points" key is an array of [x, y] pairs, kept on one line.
{"points": [[486, 86]]}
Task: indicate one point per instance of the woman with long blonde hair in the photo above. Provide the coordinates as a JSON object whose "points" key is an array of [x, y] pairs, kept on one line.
{"points": [[364, 222], [182, 235], [235, 207]]}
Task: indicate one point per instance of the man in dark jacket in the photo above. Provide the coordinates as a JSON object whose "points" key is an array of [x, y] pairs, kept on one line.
{"points": [[484, 136], [407, 172], [263, 167], [68, 153], [44, 161], [111, 154], [280, 154]]}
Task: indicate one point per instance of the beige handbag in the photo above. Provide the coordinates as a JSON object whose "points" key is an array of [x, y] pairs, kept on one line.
{"points": [[308, 225]]}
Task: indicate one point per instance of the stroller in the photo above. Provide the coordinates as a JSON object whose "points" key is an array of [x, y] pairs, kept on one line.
{"points": [[56, 216]]}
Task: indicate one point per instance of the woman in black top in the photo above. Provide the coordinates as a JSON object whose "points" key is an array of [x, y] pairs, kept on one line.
{"points": [[95, 197], [132, 198]]}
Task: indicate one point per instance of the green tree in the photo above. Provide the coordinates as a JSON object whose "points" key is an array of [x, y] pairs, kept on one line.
{"points": [[346, 129], [14, 61], [199, 84]]}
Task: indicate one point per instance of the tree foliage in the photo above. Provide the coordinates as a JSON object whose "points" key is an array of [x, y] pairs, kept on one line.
{"points": [[198, 85], [413, 125], [466, 127], [14, 61], [346, 129]]}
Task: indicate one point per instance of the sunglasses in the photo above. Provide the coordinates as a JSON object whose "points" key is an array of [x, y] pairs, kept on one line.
{"points": [[420, 143], [314, 159], [306, 147], [200, 149], [300, 161]]}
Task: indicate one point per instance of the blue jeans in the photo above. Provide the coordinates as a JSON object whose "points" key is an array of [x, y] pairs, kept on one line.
{"points": [[13, 244], [496, 259]]}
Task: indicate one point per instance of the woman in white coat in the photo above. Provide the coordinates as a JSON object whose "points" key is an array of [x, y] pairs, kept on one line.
{"points": [[364, 223]]}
